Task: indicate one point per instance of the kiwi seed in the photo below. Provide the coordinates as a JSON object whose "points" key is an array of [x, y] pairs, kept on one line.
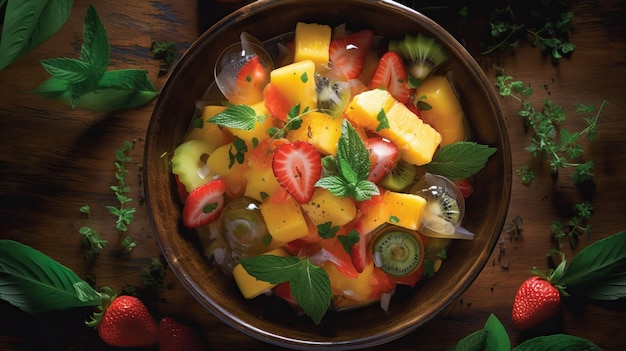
{"points": [[400, 176]]}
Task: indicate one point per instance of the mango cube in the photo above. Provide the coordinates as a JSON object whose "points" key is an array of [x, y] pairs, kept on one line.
{"points": [[284, 219], [209, 132], [249, 286], [312, 42], [321, 130], [405, 210], [296, 82], [260, 183], [326, 207]]}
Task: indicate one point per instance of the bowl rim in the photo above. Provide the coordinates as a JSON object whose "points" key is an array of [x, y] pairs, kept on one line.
{"points": [[193, 286]]}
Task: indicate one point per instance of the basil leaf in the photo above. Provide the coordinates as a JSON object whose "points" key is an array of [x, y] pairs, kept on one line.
{"points": [[599, 270], [460, 160], [238, 117], [476, 341], [557, 342], [27, 24], [71, 70], [95, 48], [351, 149], [36, 283], [497, 337]]}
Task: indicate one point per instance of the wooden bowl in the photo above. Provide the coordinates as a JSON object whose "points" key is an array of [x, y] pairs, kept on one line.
{"points": [[264, 318]]}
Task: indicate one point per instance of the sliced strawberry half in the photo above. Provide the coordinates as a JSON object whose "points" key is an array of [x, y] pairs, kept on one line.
{"points": [[297, 166], [204, 204], [391, 75], [383, 155], [349, 52]]}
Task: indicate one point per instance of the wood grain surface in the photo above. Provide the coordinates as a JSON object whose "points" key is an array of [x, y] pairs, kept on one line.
{"points": [[55, 160]]}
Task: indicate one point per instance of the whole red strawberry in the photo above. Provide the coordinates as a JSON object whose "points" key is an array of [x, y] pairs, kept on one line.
{"points": [[124, 321], [536, 301], [175, 336]]}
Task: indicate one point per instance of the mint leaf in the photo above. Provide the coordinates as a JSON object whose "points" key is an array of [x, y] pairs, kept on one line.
{"points": [[326, 230], [349, 240], [71, 70], [95, 48], [335, 184], [383, 122], [364, 190], [557, 342], [27, 24], [237, 117], [309, 284], [476, 341], [497, 337], [35, 283], [597, 271], [460, 160], [352, 150]]}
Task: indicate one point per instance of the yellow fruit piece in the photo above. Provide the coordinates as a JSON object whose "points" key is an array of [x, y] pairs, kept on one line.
{"points": [[364, 108], [416, 141], [260, 183], [296, 82], [259, 132], [189, 163], [446, 114], [249, 286], [326, 207], [219, 162], [321, 130], [373, 215], [209, 132], [405, 210], [356, 290], [284, 220], [312, 42]]}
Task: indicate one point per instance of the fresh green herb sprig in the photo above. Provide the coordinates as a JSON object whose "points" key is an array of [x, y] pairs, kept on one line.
{"points": [[164, 51], [574, 228], [91, 237], [550, 141], [86, 82], [124, 214]]}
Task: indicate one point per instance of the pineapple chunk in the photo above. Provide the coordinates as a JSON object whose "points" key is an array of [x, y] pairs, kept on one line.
{"points": [[416, 140], [405, 210], [296, 82], [209, 132], [249, 286], [259, 132], [446, 114], [312, 42], [321, 130], [326, 207], [284, 220]]}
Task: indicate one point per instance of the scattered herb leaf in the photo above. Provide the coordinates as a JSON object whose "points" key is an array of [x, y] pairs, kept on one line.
{"points": [[460, 160]]}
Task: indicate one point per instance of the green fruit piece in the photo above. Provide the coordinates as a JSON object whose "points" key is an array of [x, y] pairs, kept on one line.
{"points": [[399, 177], [332, 89], [398, 252], [422, 52], [189, 163]]}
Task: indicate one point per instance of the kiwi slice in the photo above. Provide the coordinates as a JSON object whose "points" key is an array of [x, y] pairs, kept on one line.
{"points": [[333, 92], [398, 252], [422, 52], [400, 176]]}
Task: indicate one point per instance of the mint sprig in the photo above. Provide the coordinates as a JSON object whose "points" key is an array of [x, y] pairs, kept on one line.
{"points": [[237, 117], [86, 82], [353, 165], [309, 284], [460, 160]]}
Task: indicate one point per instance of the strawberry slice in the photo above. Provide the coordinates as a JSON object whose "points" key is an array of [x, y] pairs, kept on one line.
{"points": [[204, 204], [383, 155], [391, 75], [250, 82], [466, 186], [276, 102], [349, 52], [297, 166]]}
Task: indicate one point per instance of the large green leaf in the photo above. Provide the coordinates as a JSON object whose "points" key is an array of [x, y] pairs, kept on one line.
{"points": [[557, 342], [599, 270], [28, 23], [95, 48], [36, 283]]}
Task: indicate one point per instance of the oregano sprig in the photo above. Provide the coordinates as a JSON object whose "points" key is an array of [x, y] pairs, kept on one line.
{"points": [[124, 214], [91, 237]]}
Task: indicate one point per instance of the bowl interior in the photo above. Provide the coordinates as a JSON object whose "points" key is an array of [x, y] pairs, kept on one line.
{"points": [[265, 318]]}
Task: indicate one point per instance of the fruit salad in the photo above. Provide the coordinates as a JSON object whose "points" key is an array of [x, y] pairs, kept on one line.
{"points": [[322, 179]]}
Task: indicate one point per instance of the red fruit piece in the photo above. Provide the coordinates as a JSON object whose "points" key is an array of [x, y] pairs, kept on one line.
{"points": [[466, 187], [383, 155], [349, 52], [391, 75], [176, 336], [297, 166], [128, 323], [276, 102], [536, 301], [204, 204]]}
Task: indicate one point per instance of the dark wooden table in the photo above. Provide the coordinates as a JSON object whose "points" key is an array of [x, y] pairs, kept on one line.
{"points": [[55, 160]]}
